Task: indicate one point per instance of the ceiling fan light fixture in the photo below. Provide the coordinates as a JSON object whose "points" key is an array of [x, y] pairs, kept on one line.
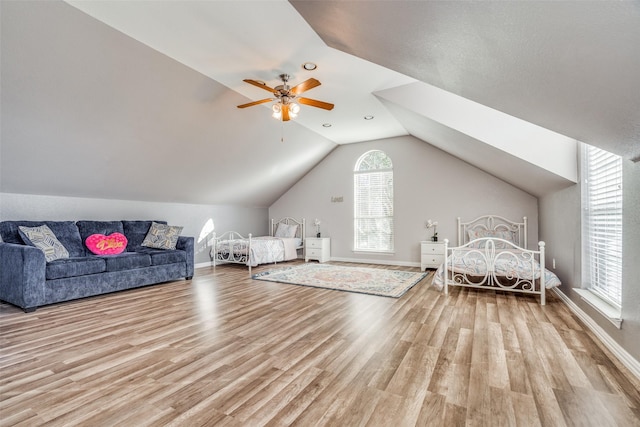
{"points": [[277, 111], [285, 108]]}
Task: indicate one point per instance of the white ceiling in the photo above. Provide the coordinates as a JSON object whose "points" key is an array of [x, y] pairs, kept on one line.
{"points": [[548, 73], [546, 63], [229, 41], [569, 66]]}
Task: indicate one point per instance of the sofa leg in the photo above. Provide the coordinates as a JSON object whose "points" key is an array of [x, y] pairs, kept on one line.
{"points": [[189, 278], [29, 309]]}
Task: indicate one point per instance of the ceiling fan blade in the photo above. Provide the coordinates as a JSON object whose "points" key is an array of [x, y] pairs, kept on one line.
{"points": [[305, 86], [251, 104], [315, 103], [261, 85], [285, 113]]}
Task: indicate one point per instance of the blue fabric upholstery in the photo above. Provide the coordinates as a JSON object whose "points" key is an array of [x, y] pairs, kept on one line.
{"points": [[186, 244], [71, 267], [22, 275], [66, 232], [97, 284], [126, 261], [28, 281], [160, 256]]}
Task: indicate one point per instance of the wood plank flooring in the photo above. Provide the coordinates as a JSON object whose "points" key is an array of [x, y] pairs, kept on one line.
{"points": [[223, 349]]}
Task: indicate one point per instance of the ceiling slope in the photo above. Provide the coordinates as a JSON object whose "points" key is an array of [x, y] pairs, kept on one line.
{"points": [[203, 32], [504, 146], [90, 112], [568, 66], [229, 41], [173, 107]]}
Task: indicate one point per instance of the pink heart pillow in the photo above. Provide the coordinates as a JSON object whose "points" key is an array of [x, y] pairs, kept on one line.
{"points": [[112, 244]]}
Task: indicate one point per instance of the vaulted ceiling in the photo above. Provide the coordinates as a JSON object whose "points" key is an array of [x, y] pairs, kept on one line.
{"points": [[571, 67], [136, 100]]}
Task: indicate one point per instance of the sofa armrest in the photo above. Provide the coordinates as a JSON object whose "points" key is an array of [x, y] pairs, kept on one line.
{"points": [[187, 244], [22, 275]]}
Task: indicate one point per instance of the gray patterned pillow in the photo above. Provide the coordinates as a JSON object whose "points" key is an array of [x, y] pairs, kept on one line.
{"points": [[161, 236], [43, 238]]}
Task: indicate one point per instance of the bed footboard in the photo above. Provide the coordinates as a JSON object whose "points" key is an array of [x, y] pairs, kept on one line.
{"points": [[495, 264], [231, 247]]}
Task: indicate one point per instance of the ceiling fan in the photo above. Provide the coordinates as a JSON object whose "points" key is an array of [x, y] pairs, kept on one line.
{"points": [[286, 108]]}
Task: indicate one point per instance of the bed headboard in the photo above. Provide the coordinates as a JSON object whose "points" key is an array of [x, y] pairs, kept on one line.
{"points": [[300, 231], [494, 223]]}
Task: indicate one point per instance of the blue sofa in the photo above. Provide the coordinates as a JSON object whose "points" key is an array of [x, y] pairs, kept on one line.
{"points": [[28, 281]]}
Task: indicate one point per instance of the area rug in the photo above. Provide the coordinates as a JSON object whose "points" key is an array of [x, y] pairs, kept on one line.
{"points": [[373, 281]]}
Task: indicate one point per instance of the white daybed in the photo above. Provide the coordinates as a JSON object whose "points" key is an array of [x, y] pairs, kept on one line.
{"points": [[286, 237], [492, 253]]}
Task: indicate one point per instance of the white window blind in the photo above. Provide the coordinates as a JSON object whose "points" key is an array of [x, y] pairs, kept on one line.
{"points": [[602, 223], [373, 196]]}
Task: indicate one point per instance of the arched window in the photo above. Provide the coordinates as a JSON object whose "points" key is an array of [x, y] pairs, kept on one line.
{"points": [[373, 195]]}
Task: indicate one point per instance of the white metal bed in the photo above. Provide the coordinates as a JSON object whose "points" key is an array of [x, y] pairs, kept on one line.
{"points": [[492, 253], [286, 237]]}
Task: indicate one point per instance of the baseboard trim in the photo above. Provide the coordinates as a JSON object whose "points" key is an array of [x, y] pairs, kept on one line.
{"points": [[620, 353], [203, 264], [354, 260]]}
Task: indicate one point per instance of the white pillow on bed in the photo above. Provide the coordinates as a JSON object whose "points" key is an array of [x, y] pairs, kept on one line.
{"points": [[286, 231], [494, 234]]}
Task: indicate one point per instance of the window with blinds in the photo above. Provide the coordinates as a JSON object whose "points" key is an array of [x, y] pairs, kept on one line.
{"points": [[373, 196], [602, 223]]}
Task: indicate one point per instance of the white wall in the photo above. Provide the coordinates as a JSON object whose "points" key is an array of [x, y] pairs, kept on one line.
{"points": [[428, 184], [560, 227], [192, 217]]}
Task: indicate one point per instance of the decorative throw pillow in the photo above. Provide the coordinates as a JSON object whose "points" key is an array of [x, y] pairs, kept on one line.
{"points": [[286, 230], [113, 244], [43, 238], [161, 236]]}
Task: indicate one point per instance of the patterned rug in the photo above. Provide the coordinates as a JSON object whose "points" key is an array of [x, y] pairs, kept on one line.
{"points": [[374, 281]]}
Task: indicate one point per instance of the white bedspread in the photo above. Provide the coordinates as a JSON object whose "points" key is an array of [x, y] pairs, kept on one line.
{"points": [[290, 248], [267, 250], [473, 263]]}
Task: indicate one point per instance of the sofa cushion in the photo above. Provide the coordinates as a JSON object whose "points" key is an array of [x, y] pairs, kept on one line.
{"points": [[127, 261], [164, 256], [162, 236], [66, 232], [71, 267], [136, 231]]}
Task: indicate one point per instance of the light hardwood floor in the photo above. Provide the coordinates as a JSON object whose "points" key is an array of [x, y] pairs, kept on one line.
{"points": [[223, 349]]}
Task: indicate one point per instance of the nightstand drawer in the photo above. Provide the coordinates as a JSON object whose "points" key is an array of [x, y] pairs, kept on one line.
{"points": [[314, 253], [314, 243], [433, 259], [432, 249]]}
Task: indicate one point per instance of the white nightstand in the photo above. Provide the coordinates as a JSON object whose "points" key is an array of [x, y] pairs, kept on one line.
{"points": [[318, 248], [431, 254]]}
